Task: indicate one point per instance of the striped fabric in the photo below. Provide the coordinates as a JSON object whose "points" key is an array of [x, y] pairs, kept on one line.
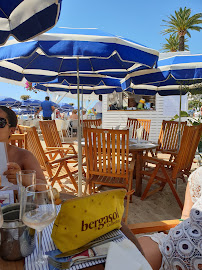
{"points": [[48, 245], [25, 19], [89, 83], [166, 78], [53, 54]]}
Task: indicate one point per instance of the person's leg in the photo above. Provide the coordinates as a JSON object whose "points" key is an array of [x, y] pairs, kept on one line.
{"points": [[151, 252]]}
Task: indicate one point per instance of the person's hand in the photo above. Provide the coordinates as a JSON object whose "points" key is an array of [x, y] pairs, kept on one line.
{"points": [[13, 168]]}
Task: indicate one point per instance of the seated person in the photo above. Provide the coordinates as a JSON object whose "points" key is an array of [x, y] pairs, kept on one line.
{"points": [[74, 115], [19, 159], [182, 247]]}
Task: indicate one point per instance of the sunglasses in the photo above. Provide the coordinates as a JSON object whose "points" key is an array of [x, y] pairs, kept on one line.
{"points": [[3, 122]]}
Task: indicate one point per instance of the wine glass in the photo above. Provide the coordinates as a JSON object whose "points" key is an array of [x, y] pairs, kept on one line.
{"points": [[38, 212]]}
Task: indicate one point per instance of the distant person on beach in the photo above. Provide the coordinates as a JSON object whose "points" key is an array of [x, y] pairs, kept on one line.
{"points": [[181, 248], [84, 115], [18, 158], [47, 108], [74, 115], [97, 109]]}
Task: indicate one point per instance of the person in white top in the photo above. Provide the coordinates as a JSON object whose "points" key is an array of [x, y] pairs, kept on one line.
{"points": [[181, 248], [84, 115], [97, 109]]}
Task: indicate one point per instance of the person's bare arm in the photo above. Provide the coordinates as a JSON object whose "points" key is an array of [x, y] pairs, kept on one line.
{"points": [[128, 233], [52, 108], [31, 163], [27, 162], [187, 204]]}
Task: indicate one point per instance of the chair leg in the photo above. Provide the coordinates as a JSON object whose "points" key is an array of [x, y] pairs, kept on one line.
{"points": [[172, 188], [151, 180]]}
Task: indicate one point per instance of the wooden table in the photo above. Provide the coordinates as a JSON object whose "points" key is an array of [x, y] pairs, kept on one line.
{"points": [[137, 150], [19, 265]]}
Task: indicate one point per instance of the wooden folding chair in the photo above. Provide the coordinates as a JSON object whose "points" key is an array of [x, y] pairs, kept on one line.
{"points": [[107, 158], [57, 169], [137, 123], [164, 171], [52, 139], [88, 123]]}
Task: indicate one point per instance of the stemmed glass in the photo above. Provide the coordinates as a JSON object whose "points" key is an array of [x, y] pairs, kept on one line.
{"points": [[38, 212]]}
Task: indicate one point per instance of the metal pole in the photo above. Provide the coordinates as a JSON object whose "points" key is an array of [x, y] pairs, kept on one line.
{"points": [[79, 136], [179, 123], [82, 111]]}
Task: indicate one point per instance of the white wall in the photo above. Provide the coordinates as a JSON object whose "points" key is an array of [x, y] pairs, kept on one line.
{"points": [[113, 118]]}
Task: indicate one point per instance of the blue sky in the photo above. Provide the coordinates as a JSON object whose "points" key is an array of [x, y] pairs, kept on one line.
{"points": [[139, 20]]}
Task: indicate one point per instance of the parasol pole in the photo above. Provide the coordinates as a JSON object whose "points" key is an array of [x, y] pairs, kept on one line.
{"points": [[179, 123], [79, 136]]}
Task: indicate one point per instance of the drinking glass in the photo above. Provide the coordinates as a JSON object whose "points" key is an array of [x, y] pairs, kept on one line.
{"points": [[24, 178], [38, 212], [1, 218]]}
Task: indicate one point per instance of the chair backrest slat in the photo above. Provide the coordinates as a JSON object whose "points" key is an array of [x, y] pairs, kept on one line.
{"points": [[137, 123], [88, 123], [33, 144], [168, 137], [107, 152], [188, 146]]}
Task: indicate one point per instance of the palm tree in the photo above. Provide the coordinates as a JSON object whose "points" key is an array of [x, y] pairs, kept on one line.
{"points": [[172, 44], [181, 23]]}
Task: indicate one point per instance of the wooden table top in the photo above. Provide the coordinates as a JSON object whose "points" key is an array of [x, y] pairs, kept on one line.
{"points": [[133, 145]]}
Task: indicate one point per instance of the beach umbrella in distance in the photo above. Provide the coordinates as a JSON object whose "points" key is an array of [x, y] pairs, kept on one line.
{"points": [[25, 19], [66, 106], [31, 103], [74, 51], [7, 101]]}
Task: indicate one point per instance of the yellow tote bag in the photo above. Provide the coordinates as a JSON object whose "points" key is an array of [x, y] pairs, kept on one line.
{"points": [[83, 219]]}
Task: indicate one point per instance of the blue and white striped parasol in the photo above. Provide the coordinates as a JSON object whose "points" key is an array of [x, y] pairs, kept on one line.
{"points": [[7, 101], [174, 76], [170, 72], [25, 19], [53, 54], [89, 83]]}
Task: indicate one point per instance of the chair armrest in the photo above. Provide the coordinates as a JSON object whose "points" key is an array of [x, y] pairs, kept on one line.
{"points": [[52, 151], [158, 160], [58, 148], [62, 159], [156, 226], [171, 152], [68, 143]]}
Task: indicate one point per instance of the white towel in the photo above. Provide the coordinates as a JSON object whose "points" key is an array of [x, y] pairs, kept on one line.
{"points": [[125, 255]]}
